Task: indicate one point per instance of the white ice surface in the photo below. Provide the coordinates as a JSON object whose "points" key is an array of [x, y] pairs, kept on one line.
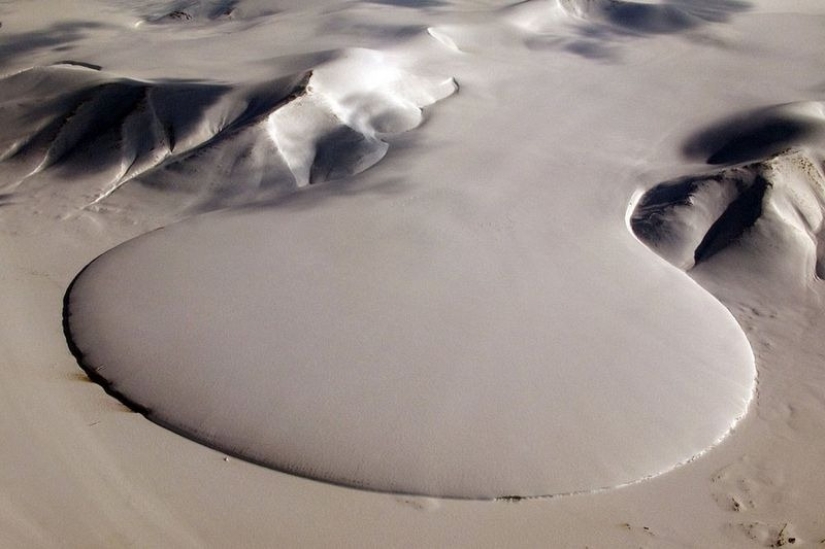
{"points": [[416, 351], [471, 317], [563, 97]]}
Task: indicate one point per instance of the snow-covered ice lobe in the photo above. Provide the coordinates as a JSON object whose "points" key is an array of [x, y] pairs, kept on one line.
{"points": [[397, 351], [468, 319], [433, 338], [436, 250]]}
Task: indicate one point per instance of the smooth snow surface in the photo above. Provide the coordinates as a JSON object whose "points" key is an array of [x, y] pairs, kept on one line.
{"points": [[416, 351], [467, 248], [469, 318]]}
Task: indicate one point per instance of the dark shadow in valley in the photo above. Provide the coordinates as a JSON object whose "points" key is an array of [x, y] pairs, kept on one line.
{"points": [[90, 125], [668, 17], [738, 217], [59, 37], [183, 11], [690, 219], [763, 155], [601, 25], [752, 135]]}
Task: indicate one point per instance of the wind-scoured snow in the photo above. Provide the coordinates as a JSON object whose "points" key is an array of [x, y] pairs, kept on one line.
{"points": [[774, 177], [216, 144]]}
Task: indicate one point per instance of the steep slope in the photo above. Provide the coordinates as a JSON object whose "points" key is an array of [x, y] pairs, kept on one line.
{"points": [[211, 144], [774, 184]]}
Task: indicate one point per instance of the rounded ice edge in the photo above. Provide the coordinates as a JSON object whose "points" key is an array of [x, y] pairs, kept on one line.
{"points": [[111, 387]]}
